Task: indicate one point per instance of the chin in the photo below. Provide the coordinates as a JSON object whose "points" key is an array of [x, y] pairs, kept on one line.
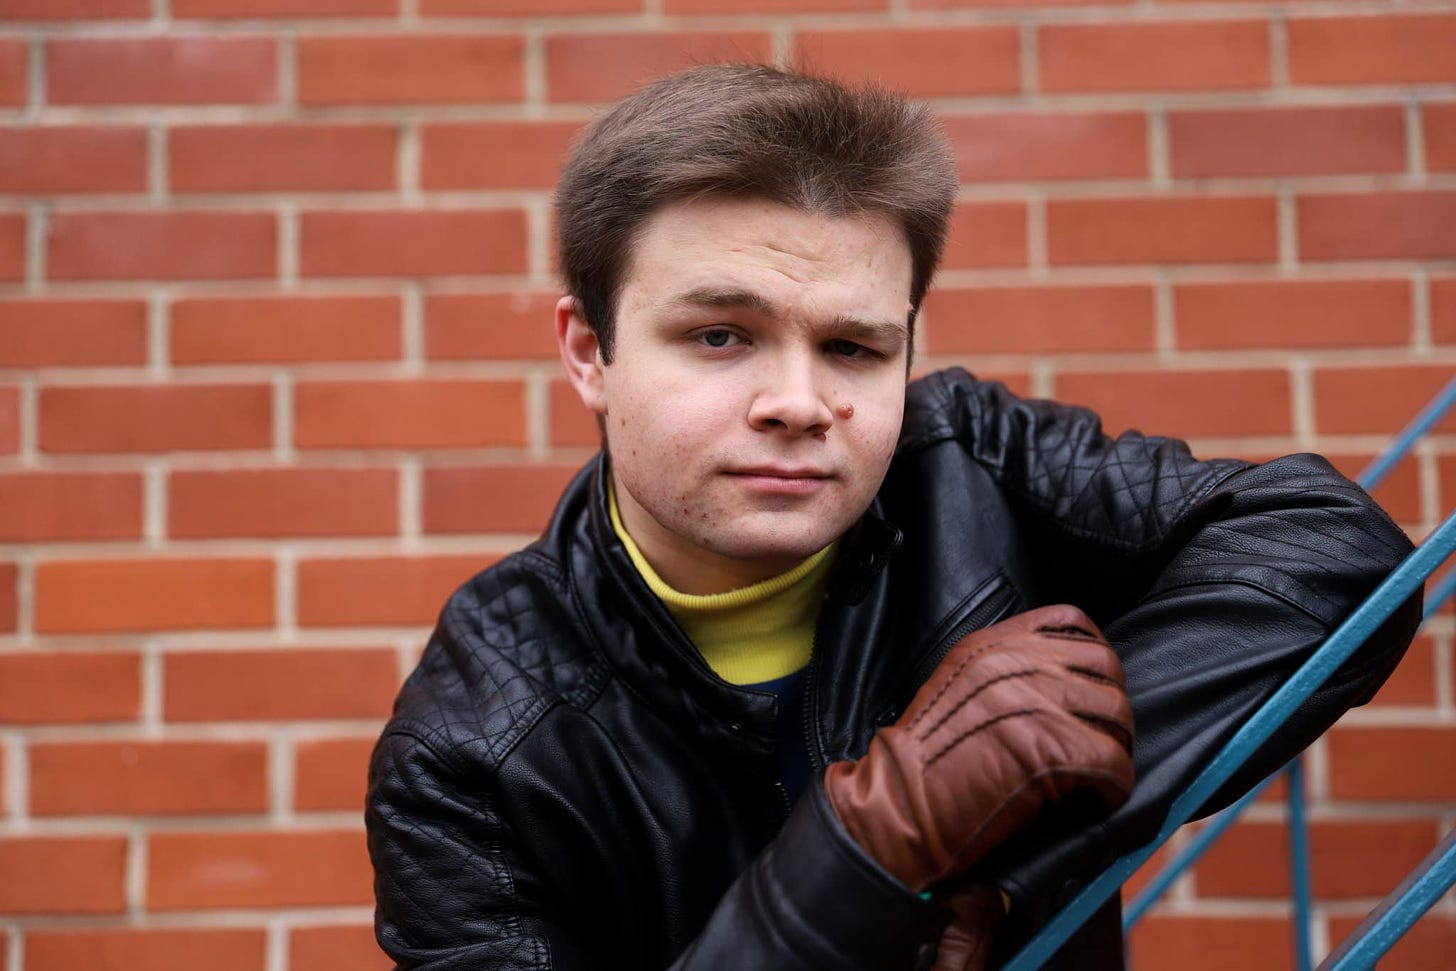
{"points": [[776, 544]]}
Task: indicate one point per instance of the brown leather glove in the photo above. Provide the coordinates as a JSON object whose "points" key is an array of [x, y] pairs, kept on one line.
{"points": [[1017, 716], [966, 944]]}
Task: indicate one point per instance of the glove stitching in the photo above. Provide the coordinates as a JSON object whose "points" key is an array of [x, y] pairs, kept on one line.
{"points": [[976, 729], [974, 693], [950, 680]]}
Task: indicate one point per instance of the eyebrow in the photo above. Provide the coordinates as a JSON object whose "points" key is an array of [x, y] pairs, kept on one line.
{"points": [[843, 325]]}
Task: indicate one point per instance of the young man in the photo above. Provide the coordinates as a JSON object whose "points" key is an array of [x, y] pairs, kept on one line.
{"points": [[780, 687]]}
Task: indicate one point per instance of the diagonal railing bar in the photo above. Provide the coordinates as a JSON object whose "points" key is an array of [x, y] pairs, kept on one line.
{"points": [[1441, 593], [1195, 848], [1385, 925], [1390, 594], [1433, 412], [1369, 477]]}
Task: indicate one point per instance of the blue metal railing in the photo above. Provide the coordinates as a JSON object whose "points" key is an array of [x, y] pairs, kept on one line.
{"points": [[1426, 882]]}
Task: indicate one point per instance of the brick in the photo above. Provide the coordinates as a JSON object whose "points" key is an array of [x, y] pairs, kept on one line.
{"points": [[207, 870], [1349, 858], [59, 688], [772, 6], [570, 421], [525, 8], [1040, 320], [982, 4], [14, 70], [63, 875], [1212, 943], [1287, 141], [605, 66], [1375, 400], [393, 591], [295, 158], [161, 245], [1443, 310], [1426, 946], [985, 235], [331, 773], [12, 246], [9, 605], [295, 684], [926, 62], [494, 154], [1438, 125], [490, 326], [256, 9], [155, 418], [1393, 765], [1372, 50], [47, 507], [400, 69], [73, 159], [431, 413], [161, 70], [37, 333], [9, 420], [1200, 55], [1235, 314], [1206, 229], [278, 329], [342, 947], [74, 9], [492, 499], [1413, 682], [152, 948], [1399, 492], [1035, 146], [1446, 473], [1186, 404], [413, 243], [147, 778], [214, 503], [93, 596], [1377, 226]]}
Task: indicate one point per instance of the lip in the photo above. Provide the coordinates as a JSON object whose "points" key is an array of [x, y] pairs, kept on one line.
{"points": [[780, 480], [780, 472]]}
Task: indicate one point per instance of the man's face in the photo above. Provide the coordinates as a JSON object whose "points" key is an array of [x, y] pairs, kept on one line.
{"points": [[757, 383]]}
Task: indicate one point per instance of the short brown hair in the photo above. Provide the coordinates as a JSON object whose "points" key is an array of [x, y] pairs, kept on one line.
{"points": [[750, 131]]}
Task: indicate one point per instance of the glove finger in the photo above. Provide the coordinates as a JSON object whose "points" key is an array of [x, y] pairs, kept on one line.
{"points": [[1063, 619]]}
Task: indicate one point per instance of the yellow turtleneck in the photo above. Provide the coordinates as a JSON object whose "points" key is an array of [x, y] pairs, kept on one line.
{"points": [[752, 634]]}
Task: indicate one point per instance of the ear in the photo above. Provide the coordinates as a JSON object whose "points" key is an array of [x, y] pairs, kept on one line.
{"points": [[581, 355]]}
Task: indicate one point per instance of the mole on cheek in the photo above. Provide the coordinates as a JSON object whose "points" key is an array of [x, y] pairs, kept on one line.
{"points": [[845, 411]]}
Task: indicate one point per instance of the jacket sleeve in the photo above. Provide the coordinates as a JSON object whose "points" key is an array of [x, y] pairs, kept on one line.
{"points": [[1214, 580], [456, 892]]}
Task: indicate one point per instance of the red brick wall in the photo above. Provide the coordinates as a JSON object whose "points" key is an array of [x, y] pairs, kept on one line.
{"points": [[276, 373]]}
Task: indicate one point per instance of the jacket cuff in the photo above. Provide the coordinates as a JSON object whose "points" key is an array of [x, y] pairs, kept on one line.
{"points": [[861, 913]]}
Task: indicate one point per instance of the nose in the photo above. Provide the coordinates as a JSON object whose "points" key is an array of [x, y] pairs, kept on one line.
{"points": [[792, 397]]}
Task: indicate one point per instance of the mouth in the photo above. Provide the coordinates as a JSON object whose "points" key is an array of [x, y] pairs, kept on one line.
{"points": [[780, 480], [780, 472]]}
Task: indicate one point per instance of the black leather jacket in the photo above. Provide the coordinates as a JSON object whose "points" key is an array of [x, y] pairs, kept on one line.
{"points": [[565, 784]]}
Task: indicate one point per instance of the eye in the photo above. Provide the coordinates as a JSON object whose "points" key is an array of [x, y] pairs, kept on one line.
{"points": [[845, 348], [718, 337]]}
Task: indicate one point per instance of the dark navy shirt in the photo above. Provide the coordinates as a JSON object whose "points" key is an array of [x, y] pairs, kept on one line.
{"points": [[793, 752]]}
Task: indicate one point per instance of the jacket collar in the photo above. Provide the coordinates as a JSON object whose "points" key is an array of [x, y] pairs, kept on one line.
{"points": [[650, 650]]}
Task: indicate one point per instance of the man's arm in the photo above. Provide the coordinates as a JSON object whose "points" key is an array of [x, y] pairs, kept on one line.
{"points": [[1019, 716], [455, 895], [1213, 580]]}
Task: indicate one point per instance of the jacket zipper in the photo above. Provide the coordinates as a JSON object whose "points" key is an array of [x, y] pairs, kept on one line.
{"points": [[984, 613], [811, 697]]}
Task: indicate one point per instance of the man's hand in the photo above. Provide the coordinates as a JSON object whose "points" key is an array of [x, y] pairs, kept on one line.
{"points": [[1017, 717]]}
